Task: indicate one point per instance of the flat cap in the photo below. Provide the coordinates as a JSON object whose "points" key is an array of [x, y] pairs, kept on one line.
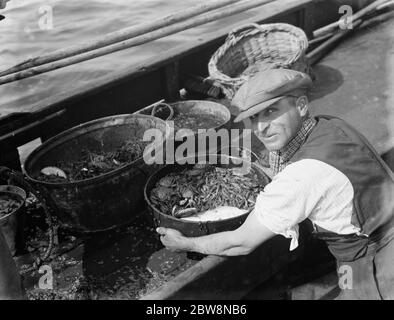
{"points": [[267, 87]]}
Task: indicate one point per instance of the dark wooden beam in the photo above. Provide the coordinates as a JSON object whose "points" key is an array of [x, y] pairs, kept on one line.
{"points": [[170, 81], [28, 133], [10, 158], [307, 20]]}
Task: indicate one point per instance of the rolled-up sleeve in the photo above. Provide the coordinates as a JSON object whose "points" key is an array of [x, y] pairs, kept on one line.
{"points": [[285, 202]]}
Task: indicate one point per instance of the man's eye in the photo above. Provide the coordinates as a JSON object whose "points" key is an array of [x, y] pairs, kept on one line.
{"points": [[269, 111], [253, 117]]}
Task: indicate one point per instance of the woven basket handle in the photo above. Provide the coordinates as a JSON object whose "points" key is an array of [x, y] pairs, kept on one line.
{"points": [[233, 33]]}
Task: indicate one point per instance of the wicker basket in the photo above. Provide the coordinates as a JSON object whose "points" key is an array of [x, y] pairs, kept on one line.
{"points": [[252, 48]]}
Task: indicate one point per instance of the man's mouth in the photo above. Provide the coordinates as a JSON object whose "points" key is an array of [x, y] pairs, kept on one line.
{"points": [[268, 137]]}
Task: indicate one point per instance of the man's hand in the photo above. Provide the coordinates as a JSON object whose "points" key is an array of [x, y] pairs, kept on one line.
{"points": [[172, 239], [240, 241]]}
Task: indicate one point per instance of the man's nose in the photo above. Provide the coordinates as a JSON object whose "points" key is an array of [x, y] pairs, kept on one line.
{"points": [[262, 126]]}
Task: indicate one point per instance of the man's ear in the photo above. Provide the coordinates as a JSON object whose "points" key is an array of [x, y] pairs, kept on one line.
{"points": [[247, 123], [302, 105]]}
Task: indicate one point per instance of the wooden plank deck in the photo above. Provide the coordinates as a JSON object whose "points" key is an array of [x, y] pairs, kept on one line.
{"points": [[356, 82]]}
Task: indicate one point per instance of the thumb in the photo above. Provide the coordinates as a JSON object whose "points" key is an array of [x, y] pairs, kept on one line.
{"points": [[161, 231]]}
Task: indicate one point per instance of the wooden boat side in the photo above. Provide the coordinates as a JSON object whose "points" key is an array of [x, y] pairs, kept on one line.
{"points": [[127, 92]]}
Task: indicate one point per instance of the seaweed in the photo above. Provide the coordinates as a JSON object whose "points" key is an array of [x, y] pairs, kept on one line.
{"points": [[196, 121], [93, 164], [204, 188], [8, 204]]}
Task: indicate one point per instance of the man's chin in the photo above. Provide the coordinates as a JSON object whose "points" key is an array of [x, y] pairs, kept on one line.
{"points": [[273, 146]]}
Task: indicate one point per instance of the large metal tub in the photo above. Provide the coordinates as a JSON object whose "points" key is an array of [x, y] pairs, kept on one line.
{"points": [[211, 139], [191, 228], [12, 224], [103, 202]]}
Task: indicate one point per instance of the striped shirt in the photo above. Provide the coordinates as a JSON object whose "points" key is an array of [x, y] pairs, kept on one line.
{"points": [[307, 189]]}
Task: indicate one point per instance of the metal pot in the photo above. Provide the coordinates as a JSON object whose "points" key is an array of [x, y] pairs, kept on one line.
{"points": [[103, 202], [170, 111], [10, 224], [202, 107], [191, 228]]}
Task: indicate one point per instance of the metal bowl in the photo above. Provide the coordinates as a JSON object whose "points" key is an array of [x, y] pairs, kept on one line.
{"points": [[169, 111], [12, 222], [192, 228], [103, 202], [202, 107]]}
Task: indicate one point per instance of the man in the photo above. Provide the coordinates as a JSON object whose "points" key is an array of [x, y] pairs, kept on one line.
{"points": [[324, 171]]}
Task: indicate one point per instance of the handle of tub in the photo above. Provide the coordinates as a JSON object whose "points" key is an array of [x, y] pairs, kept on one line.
{"points": [[159, 105]]}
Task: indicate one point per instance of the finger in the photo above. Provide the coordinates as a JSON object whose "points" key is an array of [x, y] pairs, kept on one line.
{"points": [[161, 231]]}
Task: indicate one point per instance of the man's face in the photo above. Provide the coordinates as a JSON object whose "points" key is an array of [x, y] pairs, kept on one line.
{"points": [[276, 125]]}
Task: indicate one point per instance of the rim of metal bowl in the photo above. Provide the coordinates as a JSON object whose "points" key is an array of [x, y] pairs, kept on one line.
{"points": [[75, 128], [22, 195], [219, 105], [154, 176]]}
